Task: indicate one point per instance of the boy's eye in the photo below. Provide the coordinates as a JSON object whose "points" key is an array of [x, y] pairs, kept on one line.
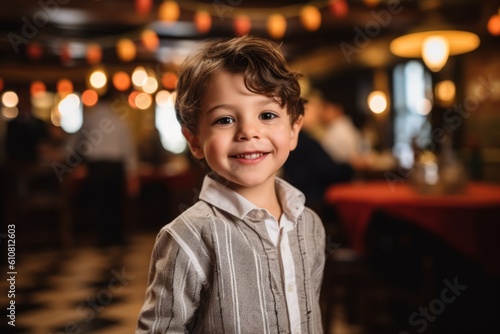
{"points": [[224, 120], [267, 115]]}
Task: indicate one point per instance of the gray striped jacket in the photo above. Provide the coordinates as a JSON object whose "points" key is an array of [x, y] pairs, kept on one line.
{"points": [[215, 270]]}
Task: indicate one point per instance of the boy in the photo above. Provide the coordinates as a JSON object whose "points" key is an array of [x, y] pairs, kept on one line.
{"points": [[248, 257]]}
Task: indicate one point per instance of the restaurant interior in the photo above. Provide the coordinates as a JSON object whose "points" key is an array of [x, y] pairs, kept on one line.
{"points": [[410, 214]]}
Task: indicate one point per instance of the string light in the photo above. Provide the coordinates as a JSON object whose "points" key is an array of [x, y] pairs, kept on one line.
{"points": [[98, 79], [64, 86], [143, 6], [90, 97], [126, 49], [150, 40], [10, 99], [242, 25], [494, 24], [276, 26], [37, 88], [121, 81], [169, 11], [310, 17], [94, 54], [203, 21]]}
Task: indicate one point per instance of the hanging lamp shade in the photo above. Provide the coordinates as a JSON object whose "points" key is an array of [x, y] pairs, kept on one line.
{"points": [[434, 41]]}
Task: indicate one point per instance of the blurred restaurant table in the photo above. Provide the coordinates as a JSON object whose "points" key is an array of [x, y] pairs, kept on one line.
{"points": [[468, 222]]}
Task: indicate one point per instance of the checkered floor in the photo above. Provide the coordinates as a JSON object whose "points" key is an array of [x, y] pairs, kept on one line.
{"points": [[87, 290]]}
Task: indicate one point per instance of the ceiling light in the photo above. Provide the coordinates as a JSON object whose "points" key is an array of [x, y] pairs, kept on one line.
{"points": [[434, 41]]}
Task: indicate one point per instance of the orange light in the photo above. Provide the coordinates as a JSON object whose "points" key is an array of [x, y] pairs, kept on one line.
{"points": [[203, 21], [310, 17], [143, 101], [169, 11], [121, 81], [65, 55], [126, 49], [150, 40], [169, 80], [276, 26], [494, 25], [1, 84], [34, 51], [94, 54], [37, 87], [143, 6], [339, 8], [242, 25], [371, 3], [90, 97], [64, 86], [131, 99]]}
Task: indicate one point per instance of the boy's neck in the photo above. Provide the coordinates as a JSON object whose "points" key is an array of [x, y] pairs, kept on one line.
{"points": [[263, 196]]}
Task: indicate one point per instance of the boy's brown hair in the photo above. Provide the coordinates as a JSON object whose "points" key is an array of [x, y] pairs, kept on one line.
{"points": [[260, 61]]}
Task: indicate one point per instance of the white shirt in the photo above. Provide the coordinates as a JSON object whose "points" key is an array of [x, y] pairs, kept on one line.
{"points": [[341, 140]]}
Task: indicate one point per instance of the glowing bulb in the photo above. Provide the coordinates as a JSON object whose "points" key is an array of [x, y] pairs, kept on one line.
{"points": [[10, 99], [377, 102], [445, 91], [150, 86], [435, 52], [126, 49], [98, 79], [69, 104], [89, 97], [139, 76], [310, 17], [143, 101], [121, 81], [169, 11], [276, 26], [162, 98]]}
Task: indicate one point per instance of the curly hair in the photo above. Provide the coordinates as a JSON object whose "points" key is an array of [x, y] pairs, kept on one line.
{"points": [[262, 64]]}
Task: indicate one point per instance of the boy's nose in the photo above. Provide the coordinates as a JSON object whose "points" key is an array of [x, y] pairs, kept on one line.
{"points": [[247, 130]]}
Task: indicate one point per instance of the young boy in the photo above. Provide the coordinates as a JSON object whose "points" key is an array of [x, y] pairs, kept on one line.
{"points": [[248, 257]]}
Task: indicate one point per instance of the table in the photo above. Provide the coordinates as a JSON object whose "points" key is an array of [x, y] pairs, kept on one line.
{"points": [[469, 222]]}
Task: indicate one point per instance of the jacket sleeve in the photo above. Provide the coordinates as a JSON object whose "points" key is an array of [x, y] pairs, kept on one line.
{"points": [[318, 264], [173, 293]]}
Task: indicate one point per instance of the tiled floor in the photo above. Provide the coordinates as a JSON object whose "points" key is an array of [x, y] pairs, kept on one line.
{"points": [[88, 290]]}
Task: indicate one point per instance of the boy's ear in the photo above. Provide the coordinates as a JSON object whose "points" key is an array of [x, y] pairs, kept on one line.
{"points": [[194, 143], [294, 133]]}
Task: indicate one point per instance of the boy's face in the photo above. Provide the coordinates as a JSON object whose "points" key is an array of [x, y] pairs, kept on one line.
{"points": [[244, 137]]}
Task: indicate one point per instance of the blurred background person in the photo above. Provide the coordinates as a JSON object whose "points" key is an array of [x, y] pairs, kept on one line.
{"points": [[309, 167]]}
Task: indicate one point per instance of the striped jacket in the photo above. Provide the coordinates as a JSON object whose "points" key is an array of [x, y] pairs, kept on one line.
{"points": [[214, 269]]}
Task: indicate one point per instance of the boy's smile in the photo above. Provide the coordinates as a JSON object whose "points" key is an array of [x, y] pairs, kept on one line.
{"points": [[243, 136]]}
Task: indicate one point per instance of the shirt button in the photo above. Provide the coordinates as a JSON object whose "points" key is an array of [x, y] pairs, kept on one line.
{"points": [[291, 287], [259, 215]]}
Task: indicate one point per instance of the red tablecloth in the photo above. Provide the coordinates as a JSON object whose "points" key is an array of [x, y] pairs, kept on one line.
{"points": [[469, 222]]}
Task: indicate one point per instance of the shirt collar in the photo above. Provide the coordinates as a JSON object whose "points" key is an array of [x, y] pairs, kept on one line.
{"points": [[215, 193]]}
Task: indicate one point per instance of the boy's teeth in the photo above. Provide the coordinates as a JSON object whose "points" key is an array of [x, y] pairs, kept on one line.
{"points": [[250, 156]]}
